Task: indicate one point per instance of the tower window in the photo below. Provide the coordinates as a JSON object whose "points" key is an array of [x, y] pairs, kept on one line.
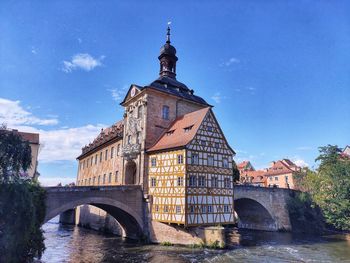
{"points": [[165, 112]]}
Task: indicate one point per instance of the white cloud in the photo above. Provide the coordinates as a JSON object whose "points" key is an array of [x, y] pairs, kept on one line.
{"points": [[33, 50], [300, 162], [13, 114], [231, 61], [60, 144], [82, 61], [217, 97], [118, 94], [63, 144]]}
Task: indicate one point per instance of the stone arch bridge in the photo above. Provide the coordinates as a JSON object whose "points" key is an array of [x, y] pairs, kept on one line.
{"points": [[256, 207], [124, 203], [262, 208]]}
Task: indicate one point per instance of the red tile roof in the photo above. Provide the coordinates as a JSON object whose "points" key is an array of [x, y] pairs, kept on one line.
{"points": [[242, 165], [175, 136], [282, 167], [113, 132]]}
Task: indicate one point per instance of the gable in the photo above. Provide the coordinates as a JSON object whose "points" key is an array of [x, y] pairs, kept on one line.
{"points": [[210, 132], [133, 91]]}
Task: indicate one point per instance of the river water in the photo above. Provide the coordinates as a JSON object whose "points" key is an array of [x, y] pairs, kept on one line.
{"points": [[75, 244]]}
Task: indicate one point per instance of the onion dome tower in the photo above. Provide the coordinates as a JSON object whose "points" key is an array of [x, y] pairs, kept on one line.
{"points": [[168, 58]]}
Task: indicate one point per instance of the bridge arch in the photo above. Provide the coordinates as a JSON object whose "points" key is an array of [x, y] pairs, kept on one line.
{"points": [[253, 215], [121, 203]]}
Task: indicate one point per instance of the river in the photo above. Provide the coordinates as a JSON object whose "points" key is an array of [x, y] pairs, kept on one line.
{"points": [[74, 244]]}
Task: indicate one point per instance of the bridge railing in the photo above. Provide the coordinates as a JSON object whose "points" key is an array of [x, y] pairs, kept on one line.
{"points": [[262, 188], [91, 188]]}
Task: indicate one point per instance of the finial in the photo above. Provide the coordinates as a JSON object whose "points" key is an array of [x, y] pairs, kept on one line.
{"points": [[168, 33]]}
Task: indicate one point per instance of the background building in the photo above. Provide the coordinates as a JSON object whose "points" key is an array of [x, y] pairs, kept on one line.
{"points": [[281, 174]]}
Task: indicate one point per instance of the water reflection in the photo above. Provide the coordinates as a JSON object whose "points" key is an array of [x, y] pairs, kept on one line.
{"points": [[74, 244]]}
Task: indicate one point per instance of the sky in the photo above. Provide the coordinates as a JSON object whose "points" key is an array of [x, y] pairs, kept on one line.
{"points": [[276, 72]]}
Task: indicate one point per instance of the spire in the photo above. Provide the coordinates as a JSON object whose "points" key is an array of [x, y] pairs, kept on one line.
{"points": [[167, 57], [168, 34]]}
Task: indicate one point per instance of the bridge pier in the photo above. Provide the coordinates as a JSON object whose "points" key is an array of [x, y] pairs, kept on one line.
{"points": [[67, 217]]}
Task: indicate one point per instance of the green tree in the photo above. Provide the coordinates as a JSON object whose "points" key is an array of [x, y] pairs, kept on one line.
{"points": [[22, 203], [15, 155], [329, 186], [235, 172]]}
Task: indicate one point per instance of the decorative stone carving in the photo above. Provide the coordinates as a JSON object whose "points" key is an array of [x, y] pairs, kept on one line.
{"points": [[130, 151]]}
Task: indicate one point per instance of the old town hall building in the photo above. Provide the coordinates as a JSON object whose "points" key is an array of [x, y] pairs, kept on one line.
{"points": [[171, 144]]}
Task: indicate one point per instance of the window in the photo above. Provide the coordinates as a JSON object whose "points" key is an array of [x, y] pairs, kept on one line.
{"points": [[180, 159], [203, 209], [112, 152], [192, 181], [85, 181], [168, 133], [217, 145], [83, 164], [118, 149], [166, 209], [210, 129], [226, 209], [100, 156], [214, 182], [99, 180], [191, 209], [210, 208], [153, 162], [92, 159], [139, 112], [106, 155], [270, 178], [87, 162], [201, 181], [203, 143], [227, 183], [110, 178], [194, 158], [276, 178], [165, 113], [210, 160], [225, 163], [180, 181], [104, 179], [138, 137], [286, 178], [153, 182], [187, 129], [178, 209], [157, 208], [93, 180], [96, 159]]}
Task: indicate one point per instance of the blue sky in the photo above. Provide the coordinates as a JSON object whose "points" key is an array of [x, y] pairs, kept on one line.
{"points": [[277, 72]]}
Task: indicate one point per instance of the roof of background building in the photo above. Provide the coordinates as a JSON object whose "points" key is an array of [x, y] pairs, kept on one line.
{"points": [[258, 176], [108, 134], [283, 166], [175, 136]]}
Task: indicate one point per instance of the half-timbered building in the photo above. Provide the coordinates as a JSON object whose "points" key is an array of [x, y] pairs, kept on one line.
{"points": [[171, 144]]}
